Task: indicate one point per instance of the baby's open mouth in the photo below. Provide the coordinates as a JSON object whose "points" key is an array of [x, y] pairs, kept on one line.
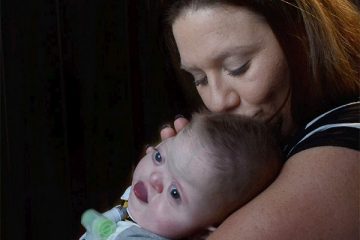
{"points": [[140, 191]]}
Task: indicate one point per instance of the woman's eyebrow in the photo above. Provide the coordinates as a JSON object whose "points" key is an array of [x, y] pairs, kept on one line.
{"points": [[189, 68], [240, 49]]}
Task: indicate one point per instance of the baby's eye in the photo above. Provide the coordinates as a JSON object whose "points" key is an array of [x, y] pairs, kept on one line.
{"points": [[174, 193], [157, 157]]}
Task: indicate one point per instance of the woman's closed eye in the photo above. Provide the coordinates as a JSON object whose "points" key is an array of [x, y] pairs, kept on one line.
{"points": [[240, 70], [199, 78], [201, 81]]}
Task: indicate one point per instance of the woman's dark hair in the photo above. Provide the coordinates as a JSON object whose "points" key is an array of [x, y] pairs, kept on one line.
{"points": [[320, 39]]}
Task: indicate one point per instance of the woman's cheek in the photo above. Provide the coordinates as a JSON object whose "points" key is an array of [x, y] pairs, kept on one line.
{"points": [[256, 91], [267, 82], [205, 96]]}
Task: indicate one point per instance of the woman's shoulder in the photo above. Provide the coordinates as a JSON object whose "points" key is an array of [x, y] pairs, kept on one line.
{"points": [[339, 127]]}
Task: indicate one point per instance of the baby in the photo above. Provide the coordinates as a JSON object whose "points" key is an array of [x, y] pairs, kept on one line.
{"points": [[194, 180]]}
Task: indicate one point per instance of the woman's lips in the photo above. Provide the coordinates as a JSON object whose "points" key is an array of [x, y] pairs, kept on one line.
{"points": [[140, 191]]}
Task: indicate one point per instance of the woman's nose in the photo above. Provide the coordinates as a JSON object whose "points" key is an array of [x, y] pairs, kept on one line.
{"points": [[223, 98], [156, 181]]}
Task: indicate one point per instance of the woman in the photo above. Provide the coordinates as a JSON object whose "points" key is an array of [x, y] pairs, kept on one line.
{"points": [[286, 63]]}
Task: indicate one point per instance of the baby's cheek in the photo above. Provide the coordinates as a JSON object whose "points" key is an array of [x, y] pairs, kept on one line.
{"points": [[167, 225], [172, 227]]}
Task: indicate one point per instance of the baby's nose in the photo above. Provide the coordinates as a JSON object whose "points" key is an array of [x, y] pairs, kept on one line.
{"points": [[156, 181]]}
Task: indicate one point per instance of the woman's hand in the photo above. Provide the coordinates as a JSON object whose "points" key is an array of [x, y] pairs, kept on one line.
{"points": [[167, 131], [179, 123]]}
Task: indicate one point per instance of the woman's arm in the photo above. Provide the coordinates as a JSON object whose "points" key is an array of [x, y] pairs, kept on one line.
{"points": [[316, 196]]}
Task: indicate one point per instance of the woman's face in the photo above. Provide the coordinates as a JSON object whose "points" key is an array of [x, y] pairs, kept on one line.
{"points": [[236, 61]]}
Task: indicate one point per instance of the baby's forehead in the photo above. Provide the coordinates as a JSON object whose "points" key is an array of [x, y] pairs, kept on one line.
{"points": [[191, 156], [194, 130], [190, 140], [188, 133]]}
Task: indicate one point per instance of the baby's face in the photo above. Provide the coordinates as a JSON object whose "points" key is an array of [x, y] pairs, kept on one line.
{"points": [[168, 194]]}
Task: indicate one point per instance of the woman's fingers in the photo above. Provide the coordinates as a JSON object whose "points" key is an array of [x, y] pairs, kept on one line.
{"points": [[180, 122], [148, 149], [166, 132]]}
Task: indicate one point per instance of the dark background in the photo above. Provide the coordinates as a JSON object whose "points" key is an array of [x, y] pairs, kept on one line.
{"points": [[84, 86]]}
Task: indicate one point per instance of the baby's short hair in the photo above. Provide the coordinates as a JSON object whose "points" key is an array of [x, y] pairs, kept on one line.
{"points": [[243, 152]]}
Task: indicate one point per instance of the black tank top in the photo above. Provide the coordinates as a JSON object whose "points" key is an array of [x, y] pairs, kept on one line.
{"points": [[337, 127]]}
